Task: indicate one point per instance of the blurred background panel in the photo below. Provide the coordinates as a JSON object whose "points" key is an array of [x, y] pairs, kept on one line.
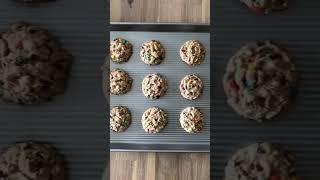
{"points": [[160, 11]]}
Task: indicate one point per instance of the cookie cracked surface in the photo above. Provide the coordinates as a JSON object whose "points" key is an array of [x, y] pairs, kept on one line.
{"points": [[192, 52], [261, 161], [33, 66], [154, 86], [152, 52], [191, 120], [154, 120], [259, 81], [31, 161]]}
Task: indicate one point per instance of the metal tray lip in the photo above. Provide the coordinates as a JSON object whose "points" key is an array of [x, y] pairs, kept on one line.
{"points": [[158, 23], [182, 28], [120, 147]]}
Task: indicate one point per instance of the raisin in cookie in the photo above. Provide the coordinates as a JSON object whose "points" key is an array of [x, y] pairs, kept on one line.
{"points": [[120, 50], [191, 120], [261, 161], [154, 120], [265, 6], [120, 82], [192, 52], [259, 81], [31, 161], [120, 119], [33, 66], [152, 52], [154, 86], [191, 87]]}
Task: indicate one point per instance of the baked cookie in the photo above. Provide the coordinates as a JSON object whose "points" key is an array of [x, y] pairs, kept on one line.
{"points": [[265, 6], [120, 50], [192, 52], [120, 82], [259, 81], [120, 119], [191, 120], [33, 66], [261, 161], [154, 120], [154, 86], [191, 87], [152, 52], [31, 161]]}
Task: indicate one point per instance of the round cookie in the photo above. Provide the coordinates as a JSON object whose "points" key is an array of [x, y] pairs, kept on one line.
{"points": [[120, 50], [120, 119], [154, 120], [259, 81], [261, 161], [33, 66], [154, 86], [120, 82], [31, 161], [191, 120], [192, 52], [152, 52], [265, 6], [191, 87]]}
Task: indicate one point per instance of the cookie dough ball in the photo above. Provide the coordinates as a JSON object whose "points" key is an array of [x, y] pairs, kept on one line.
{"points": [[265, 6], [120, 50], [191, 120], [31, 161], [154, 120], [261, 161], [152, 52], [191, 87], [120, 119], [33, 66], [154, 86], [120, 82], [192, 52], [259, 81]]}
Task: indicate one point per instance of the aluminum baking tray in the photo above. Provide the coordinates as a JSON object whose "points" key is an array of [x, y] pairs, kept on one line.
{"points": [[298, 130], [173, 137], [73, 122]]}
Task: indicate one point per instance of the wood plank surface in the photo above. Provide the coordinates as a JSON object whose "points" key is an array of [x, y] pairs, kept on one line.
{"points": [[159, 166], [160, 11]]}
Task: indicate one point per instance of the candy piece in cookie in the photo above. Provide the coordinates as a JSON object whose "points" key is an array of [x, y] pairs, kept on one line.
{"points": [[33, 65], [120, 50], [154, 86], [192, 52], [154, 120], [265, 6], [263, 161], [152, 52], [259, 81], [31, 161]]}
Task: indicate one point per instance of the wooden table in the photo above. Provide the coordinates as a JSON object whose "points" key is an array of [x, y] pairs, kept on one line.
{"points": [[160, 11], [159, 166]]}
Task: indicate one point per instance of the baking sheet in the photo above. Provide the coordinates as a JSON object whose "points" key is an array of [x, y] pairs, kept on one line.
{"points": [[75, 121], [173, 137], [296, 29]]}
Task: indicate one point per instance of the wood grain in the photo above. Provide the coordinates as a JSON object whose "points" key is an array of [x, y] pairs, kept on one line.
{"points": [[160, 11], [159, 166]]}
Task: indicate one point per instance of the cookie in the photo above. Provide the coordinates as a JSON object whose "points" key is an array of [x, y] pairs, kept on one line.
{"points": [[261, 161], [191, 120], [192, 52], [33, 66], [191, 87], [259, 81], [31, 161], [152, 52], [120, 50], [154, 120], [154, 86], [265, 6], [120, 82], [120, 119]]}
